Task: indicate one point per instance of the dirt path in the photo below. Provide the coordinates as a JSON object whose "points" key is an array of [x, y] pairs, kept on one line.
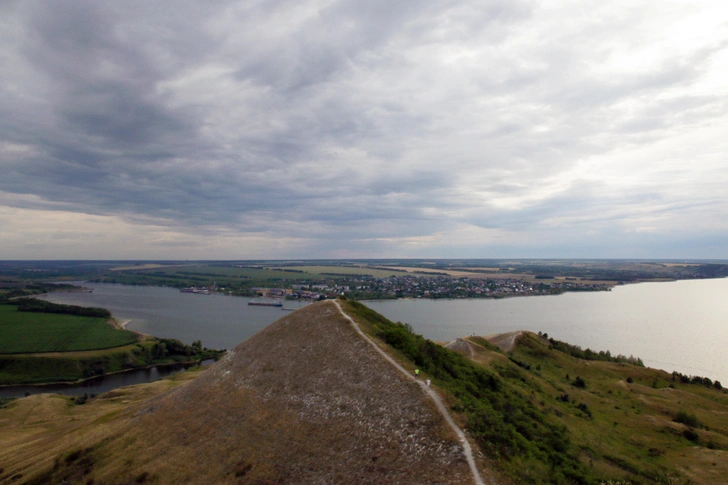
{"points": [[504, 341], [430, 392], [461, 345]]}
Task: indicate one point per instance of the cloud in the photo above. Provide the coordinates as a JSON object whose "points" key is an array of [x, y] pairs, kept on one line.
{"points": [[367, 128]]}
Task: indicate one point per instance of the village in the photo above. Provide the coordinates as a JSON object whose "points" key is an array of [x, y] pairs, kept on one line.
{"points": [[410, 286]]}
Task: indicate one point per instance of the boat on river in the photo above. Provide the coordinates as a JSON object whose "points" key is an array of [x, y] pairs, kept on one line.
{"points": [[197, 291], [265, 303]]}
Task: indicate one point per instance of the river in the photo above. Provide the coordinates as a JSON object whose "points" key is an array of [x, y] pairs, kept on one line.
{"points": [[220, 321], [98, 385], [681, 325], [678, 325]]}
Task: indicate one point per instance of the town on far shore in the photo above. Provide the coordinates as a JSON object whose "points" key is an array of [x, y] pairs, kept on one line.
{"points": [[357, 279]]}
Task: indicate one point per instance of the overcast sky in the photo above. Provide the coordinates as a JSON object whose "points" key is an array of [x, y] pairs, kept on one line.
{"points": [[366, 128]]}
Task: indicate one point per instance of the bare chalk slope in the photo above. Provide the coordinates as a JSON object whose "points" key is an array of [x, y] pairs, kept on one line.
{"points": [[306, 400]]}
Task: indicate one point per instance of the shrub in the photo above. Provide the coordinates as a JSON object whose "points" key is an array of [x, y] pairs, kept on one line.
{"points": [[691, 435], [579, 382], [583, 407], [687, 419], [503, 422]]}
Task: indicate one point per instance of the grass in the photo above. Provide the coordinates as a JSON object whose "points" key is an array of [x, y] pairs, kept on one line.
{"points": [[547, 417], [231, 275], [22, 332], [33, 427], [16, 369], [70, 366], [323, 271]]}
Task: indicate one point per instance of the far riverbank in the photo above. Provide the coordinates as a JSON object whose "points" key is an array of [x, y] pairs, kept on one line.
{"points": [[678, 325]]}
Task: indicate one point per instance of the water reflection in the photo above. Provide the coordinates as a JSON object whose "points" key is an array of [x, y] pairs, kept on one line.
{"points": [[101, 384]]}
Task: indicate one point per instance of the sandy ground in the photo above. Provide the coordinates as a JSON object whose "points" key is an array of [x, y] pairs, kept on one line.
{"points": [[504, 341]]}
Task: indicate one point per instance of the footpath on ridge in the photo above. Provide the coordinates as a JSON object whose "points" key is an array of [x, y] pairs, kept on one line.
{"points": [[429, 391]]}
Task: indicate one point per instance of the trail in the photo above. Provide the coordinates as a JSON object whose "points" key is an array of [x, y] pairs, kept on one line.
{"points": [[429, 391], [458, 345], [504, 341]]}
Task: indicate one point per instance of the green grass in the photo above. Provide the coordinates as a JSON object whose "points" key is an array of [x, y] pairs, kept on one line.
{"points": [[323, 271], [22, 332], [548, 417], [72, 366], [219, 273], [222, 274]]}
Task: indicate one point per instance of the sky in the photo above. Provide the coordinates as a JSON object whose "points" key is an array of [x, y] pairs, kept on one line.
{"points": [[363, 129]]}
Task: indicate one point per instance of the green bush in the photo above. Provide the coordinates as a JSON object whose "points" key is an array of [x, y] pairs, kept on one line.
{"points": [[687, 419], [502, 420], [691, 435], [579, 382]]}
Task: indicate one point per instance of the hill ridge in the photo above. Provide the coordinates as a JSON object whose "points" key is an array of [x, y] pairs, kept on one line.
{"points": [[305, 400], [431, 393]]}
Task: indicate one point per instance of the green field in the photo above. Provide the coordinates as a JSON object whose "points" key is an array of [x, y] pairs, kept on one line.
{"points": [[26, 332], [323, 271], [272, 272]]}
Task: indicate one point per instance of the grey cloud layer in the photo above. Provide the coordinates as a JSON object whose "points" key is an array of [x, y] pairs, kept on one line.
{"points": [[350, 121]]}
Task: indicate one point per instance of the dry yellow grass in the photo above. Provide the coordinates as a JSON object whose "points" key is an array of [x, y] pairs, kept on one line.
{"points": [[304, 401]]}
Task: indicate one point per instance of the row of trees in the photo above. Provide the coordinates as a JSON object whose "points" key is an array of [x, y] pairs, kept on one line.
{"points": [[588, 354], [41, 306], [701, 381]]}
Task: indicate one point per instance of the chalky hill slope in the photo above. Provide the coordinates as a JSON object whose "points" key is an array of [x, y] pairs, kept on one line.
{"points": [[306, 400]]}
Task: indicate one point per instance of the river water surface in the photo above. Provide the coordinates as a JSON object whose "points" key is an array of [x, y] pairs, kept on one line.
{"points": [[680, 325]]}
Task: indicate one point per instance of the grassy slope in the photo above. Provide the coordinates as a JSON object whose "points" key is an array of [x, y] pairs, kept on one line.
{"points": [[609, 431], [25, 332], [42, 428], [73, 366], [629, 427]]}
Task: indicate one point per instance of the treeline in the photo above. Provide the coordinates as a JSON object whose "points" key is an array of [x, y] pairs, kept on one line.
{"points": [[40, 306], [588, 354], [169, 347], [503, 421], [30, 289], [697, 380]]}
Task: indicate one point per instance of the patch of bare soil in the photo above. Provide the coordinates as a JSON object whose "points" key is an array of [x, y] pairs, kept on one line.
{"points": [[306, 400], [504, 341], [462, 347]]}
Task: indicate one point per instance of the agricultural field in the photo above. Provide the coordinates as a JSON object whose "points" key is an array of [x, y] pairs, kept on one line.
{"points": [[29, 332], [322, 271]]}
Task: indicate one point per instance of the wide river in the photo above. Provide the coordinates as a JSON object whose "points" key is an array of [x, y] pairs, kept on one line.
{"points": [[680, 325]]}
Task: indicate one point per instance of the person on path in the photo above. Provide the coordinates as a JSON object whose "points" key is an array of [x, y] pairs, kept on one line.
{"points": [[417, 372]]}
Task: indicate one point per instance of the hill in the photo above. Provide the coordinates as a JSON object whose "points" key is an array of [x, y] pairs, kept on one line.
{"points": [[626, 423], [310, 400], [306, 400]]}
